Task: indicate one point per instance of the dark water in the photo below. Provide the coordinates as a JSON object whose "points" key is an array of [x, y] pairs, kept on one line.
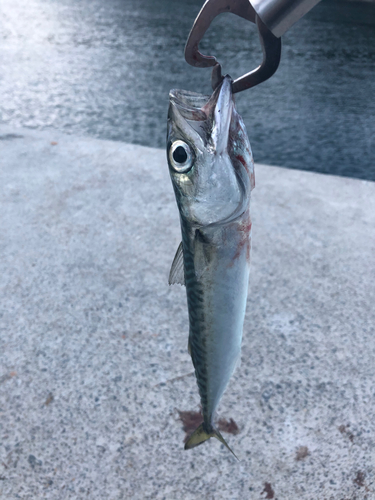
{"points": [[104, 68]]}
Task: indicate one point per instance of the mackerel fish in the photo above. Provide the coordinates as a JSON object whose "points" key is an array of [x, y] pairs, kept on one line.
{"points": [[212, 171]]}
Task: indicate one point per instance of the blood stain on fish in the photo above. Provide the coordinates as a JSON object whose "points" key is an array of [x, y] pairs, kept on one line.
{"points": [[242, 160], [244, 229]]}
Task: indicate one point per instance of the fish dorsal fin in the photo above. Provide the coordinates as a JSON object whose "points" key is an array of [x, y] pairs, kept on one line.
{"points": [[176, 274]]}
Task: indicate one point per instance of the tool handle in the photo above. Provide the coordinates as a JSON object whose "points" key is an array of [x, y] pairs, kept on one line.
{"points": [[280, 15]]}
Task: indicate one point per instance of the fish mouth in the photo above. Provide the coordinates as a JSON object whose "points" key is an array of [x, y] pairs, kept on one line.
{"points": [[200, 107], [190, 105], [188, 99]]}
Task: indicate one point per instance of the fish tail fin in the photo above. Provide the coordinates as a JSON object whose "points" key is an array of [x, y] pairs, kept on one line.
{"points": [[218, 436], [200, 435]]}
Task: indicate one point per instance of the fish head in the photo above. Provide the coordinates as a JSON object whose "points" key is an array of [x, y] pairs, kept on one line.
{"points": [[209, 156]]}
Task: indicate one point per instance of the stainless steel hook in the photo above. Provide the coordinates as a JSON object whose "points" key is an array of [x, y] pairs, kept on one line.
{"points": [[271, 45], [272, 17]]}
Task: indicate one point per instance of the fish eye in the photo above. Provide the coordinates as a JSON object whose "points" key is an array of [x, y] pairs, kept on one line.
{"points": [[181, 156]]}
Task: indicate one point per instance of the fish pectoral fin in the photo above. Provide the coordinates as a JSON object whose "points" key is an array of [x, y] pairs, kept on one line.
{"points": [[199, 436], [176, 274]]}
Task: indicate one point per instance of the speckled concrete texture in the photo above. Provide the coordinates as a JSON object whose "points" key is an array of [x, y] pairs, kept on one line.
{"points": [[93, 346]]}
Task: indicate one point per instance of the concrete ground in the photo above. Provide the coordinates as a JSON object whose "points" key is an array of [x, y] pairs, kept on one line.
{"points": [[93, 345]]}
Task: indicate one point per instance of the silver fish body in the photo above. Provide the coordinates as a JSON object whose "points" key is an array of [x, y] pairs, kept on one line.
{"points": [[212, 172]]}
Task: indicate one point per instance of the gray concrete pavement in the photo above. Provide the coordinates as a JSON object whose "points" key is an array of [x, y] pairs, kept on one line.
{"points": [[93, 339]]}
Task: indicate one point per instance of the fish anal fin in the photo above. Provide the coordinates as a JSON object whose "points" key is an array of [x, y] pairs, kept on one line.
{"points": [[199, 436], [177, 274]]}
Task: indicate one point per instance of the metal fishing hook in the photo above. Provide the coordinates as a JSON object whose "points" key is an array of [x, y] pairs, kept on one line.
{"points": [[272, 17], [271, 45]]}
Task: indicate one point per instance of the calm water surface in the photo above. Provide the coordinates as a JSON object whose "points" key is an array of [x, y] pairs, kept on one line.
{"points": [[104, 68]]}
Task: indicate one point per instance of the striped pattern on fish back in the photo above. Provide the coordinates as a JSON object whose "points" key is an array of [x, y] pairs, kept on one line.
{"points": [[197, 323]]}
